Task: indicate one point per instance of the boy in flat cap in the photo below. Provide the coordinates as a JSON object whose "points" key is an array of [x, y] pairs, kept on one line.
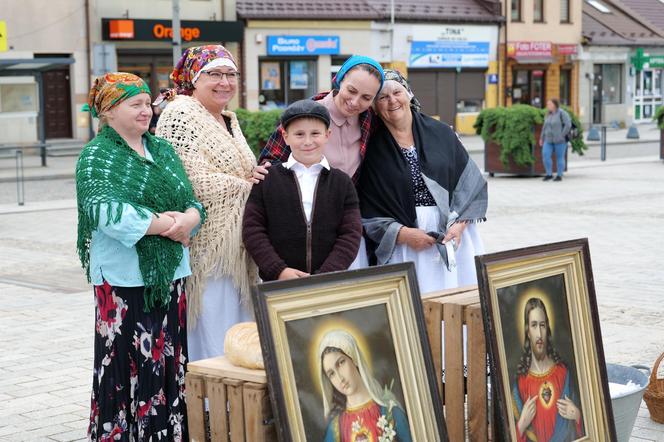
{"points": [[304, 218]]}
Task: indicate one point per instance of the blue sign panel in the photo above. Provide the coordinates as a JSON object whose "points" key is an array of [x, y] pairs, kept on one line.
{"points": [[302, 45], [449, 53], [493, 78]]}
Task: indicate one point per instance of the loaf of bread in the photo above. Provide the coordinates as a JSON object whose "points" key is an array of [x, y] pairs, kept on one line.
{"points": [[242, 347]]}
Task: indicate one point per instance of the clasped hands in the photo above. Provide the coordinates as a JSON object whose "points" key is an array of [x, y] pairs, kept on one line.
{"points": [[418, 239], [181, 226]]}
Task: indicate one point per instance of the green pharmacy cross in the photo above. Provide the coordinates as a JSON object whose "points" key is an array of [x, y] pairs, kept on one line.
{"points": [[642, 60]]}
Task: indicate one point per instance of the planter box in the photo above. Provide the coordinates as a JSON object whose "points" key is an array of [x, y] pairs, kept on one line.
{"points": [[493, 165]]}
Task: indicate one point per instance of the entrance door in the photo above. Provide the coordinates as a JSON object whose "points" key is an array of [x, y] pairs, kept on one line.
{"points": [[537, 88], [443, 93], [528, 87], [446, 95], [57, 103], [597, 94]]}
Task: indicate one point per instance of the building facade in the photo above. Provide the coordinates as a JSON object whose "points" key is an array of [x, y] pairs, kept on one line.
{"points": [[621, 65], [136, 37], [447, 51], [55, 52], [538, 52], [43, 72]]}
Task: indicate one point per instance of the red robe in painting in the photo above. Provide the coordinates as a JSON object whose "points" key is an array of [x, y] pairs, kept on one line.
{"points": [[367, 417], [548, 425]]}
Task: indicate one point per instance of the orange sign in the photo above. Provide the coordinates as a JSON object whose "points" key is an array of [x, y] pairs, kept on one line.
{"points": [[164, 32], [121, 29]]}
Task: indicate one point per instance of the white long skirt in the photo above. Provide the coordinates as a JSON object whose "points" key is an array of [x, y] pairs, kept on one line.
{"points": [[221, 309], [432, 274], [361, 260]]}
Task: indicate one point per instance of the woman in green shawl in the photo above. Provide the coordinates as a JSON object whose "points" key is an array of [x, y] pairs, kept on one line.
{"points": [[136, 216]]}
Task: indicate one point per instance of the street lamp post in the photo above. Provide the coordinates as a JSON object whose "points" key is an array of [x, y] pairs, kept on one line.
{"points": [[391, 31], [177, 38]]}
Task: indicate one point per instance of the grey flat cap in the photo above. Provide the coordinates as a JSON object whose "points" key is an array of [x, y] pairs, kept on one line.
{"points": [[305, 109]]}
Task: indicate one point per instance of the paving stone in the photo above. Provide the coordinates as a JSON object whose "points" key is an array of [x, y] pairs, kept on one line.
{"points": [[47, 310]]}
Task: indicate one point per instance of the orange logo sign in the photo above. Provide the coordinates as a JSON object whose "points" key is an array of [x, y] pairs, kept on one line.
{"points": [[188, 34], [121, 29]]}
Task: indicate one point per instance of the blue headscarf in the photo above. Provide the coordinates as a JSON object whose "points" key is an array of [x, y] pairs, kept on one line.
{"points": [[351, 63]]}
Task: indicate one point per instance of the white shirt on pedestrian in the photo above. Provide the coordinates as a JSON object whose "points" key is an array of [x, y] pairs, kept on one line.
{"points": [[307, 177]]}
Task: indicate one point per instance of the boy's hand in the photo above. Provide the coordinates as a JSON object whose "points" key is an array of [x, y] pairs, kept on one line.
{"points": [[290, 273]]}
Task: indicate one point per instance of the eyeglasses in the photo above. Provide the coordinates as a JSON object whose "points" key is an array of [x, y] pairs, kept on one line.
{"points": [[231, 77]]}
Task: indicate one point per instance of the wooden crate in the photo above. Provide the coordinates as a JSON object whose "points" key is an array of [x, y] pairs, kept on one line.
{"points": [[238, 402], [248, 416], [464, 396]]}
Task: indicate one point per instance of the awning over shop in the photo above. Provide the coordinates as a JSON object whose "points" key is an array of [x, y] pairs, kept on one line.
{"points": [[34, 67], [533, 60], [16, 66]]}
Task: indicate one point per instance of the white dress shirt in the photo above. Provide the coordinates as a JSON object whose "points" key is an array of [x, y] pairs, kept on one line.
{"points": [[307, 177]]}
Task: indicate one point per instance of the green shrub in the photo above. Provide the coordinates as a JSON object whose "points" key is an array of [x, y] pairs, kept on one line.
{"points": [[257, 127], [512, 128], [659, 117]]}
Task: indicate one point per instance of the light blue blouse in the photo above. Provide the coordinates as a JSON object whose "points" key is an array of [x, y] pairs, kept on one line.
{"points": [[113, 254]]}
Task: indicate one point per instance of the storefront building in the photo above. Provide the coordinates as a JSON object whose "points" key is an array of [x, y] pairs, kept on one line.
{"points": [[289, 61], [539, 70], [42, 72], [136, 37], [451, 68], [648, 68], [143, 46], [535, 69], [448, 54], [621, 67]]}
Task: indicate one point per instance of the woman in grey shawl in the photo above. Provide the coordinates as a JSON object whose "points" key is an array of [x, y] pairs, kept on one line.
{"points": [[420, 193]]}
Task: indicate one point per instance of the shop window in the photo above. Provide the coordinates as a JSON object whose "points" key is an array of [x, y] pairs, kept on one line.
{"points": [[528, 87], [601, 7], [18, 97], [565, 86], [565, 11], [516, 10], [538, 13], [469, 106], [153, 69], [337, 62], [611, 83], [648, 93], [283, 82]]}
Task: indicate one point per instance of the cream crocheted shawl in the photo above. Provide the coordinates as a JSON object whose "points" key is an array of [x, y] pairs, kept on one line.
{"points": [[218, 166]]}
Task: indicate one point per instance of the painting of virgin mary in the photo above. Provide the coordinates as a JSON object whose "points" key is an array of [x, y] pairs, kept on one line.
{"points": [[356, 407]]}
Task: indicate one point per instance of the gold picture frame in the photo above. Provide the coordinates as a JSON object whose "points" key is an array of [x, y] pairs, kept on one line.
{"points": [[543, 332], [310, 327]]}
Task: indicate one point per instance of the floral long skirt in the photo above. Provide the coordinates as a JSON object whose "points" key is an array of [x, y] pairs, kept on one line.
{"points": [[138, 390]]}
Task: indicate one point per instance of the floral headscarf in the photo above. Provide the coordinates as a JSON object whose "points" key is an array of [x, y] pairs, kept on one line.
{"points": [[112, 89], [394, 75], [195, 60]]}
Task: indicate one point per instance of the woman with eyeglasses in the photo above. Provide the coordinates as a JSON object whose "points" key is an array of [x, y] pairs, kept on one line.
{"points": [[208, 139]]}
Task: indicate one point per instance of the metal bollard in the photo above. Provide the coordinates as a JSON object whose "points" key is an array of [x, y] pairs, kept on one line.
{"points": [[20, 178], [603, 143]]}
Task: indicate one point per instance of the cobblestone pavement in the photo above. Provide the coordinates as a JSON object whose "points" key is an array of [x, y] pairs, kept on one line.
{"points": [[46, 310]]}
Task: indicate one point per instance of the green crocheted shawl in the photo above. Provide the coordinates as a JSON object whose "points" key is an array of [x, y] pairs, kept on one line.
{"points": [[110, 172]]}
